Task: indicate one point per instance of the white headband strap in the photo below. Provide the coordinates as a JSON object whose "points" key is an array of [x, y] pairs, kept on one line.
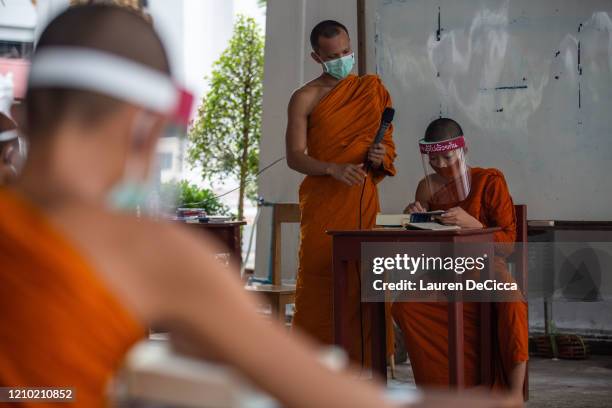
{"points": [[8, 135], [103, 72]]}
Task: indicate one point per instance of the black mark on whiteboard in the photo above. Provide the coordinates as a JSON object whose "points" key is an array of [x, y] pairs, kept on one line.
{"points": [[579, 96], [499, 110], [506, 87], [502, 88], [557, 53], [579, 65], [439, 30]]}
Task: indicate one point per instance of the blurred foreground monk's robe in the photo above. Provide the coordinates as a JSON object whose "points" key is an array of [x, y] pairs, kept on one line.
{"points": [[61, 326], [341, 129], [425, 325]]}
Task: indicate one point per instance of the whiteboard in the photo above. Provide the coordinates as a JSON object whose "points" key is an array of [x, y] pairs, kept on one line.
{"points": [[529, 81]]}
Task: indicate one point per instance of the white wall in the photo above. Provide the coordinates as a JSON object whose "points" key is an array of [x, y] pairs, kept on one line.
{"points": [[287, 66], [529, 81]]}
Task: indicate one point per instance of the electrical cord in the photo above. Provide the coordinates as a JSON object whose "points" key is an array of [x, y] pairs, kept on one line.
{"points": [[237, 188], [367, 170]]}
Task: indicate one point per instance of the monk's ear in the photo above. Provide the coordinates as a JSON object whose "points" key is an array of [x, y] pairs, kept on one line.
{"points": [[316, 57], [18, 114]]}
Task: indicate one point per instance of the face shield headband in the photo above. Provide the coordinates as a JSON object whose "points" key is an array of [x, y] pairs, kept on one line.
{"points": [[441, 147], [111, 75]]}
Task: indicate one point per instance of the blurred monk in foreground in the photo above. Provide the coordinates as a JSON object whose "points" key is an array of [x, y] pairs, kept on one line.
{"points": [[472, 197]]}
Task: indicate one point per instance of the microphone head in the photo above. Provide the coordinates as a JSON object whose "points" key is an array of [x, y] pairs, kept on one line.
{"points": [[388, 115]]}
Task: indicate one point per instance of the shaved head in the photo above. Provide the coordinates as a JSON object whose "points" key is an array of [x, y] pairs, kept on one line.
{"points": [[442, 129], [112, 29]]}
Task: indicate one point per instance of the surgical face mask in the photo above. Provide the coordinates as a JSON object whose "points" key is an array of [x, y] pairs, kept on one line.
{"points": [[135, 189], [451, 171], [339, 68]]}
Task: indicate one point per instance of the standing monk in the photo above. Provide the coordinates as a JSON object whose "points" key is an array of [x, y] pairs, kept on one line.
{"points": [[332, 123], [472, 197]]}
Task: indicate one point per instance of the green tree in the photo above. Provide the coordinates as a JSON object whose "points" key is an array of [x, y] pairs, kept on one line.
{"points": [[224, 139]]}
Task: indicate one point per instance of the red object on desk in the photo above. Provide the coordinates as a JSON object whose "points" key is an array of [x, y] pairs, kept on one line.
{"points": [[347, 248]]}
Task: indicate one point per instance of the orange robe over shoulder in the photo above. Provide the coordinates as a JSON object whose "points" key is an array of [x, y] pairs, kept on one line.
{"points": [[341, 129], [61, 326], [425, 325]]}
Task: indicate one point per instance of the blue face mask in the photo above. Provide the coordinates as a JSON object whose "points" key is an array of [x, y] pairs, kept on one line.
{"points": [[339, 68], [135, 190], [129, 196]]}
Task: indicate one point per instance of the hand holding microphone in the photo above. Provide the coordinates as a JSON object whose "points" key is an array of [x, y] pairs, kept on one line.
{"points": [[376, 154]]}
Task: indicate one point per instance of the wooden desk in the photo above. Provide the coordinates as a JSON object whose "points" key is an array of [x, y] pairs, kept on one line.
{"points": [[228, 233], [347, 248]]}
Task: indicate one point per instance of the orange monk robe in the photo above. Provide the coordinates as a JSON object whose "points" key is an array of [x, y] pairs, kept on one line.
{"points": [[341, 129], [425, 325], [61, 326]]}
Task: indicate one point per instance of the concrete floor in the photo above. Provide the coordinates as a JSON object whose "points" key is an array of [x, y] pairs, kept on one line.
{"points": [[553, 383]]}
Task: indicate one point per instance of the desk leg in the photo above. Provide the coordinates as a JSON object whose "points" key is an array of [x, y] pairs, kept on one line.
{"points": [[486, 352], [486, 329], [455, 344], [379, 341], [340, 299], [236, 244]]}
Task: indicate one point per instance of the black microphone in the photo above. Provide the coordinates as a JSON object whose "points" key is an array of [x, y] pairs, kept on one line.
{"points": [[385, 122]]}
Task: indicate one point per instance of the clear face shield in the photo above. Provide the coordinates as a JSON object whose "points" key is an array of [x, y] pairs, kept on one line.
{"points": [[13, 147], [447, 174], [154, 91]]}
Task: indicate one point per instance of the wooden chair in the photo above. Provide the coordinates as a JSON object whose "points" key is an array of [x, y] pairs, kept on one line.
{"points": [[277, 295], [488, 328]]}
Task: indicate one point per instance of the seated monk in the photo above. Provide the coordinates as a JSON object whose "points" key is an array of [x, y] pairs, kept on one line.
{"points": [[81, 281], [472, 198]]}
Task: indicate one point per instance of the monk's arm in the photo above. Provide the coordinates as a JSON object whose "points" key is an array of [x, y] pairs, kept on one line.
{"points": [[297, 157], [297, 126], [211, 301], [421, 199], [500, 213]]}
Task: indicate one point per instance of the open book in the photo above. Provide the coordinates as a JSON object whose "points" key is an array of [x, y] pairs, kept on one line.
{"points": [[409, 221]]}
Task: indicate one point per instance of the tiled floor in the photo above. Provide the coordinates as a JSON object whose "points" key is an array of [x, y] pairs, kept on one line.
{"points": [[553, 383]]}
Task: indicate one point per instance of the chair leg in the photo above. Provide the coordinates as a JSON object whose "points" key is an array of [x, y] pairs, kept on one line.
{"points": [[275, 306], [281, 309], [283, 301]]}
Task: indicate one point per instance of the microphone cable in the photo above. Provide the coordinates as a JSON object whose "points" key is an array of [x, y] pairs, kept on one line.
{"points": [[367, 170]]}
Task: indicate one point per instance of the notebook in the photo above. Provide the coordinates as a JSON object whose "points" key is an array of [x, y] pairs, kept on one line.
{"points": [[409, 221]]}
